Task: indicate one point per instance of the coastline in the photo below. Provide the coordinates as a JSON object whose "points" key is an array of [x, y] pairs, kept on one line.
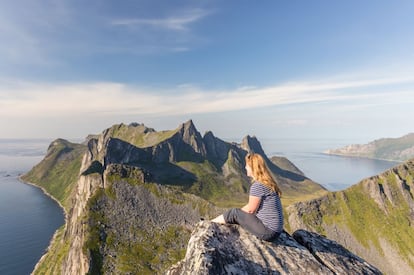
{"points": [[52, 240], [362, 157]]}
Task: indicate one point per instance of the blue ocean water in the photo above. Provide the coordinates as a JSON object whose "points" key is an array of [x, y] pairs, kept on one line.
{"points": [[28, 218], [333, 172]]}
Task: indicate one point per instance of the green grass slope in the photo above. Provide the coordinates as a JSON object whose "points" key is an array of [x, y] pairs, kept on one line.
{"points": [[144, 227], [58, 171], [377, 209], [139, 135]]}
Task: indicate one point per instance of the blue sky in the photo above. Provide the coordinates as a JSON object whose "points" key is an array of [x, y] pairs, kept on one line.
{"points": [[274, 69]]}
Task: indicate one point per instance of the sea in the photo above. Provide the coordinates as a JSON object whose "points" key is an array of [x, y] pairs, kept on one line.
{"points": [[333, 172], [28, 217]]}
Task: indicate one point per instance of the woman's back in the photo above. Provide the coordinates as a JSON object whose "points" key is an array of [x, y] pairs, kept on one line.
{"points": [[270, 211]]}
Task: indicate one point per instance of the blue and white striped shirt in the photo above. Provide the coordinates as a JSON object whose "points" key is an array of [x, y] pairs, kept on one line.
{"points": [[270, 210]]}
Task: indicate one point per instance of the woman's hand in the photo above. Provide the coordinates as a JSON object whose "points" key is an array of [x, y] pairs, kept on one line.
{"points": [[252, 205]]}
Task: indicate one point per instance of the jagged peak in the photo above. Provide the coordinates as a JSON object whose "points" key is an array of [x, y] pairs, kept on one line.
{"points": [[208, 134], [252, 144], [189, 123], [188, 127], [188, 130]]}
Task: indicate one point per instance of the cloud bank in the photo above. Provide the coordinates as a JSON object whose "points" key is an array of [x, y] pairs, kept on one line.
{"points": [[102, 99]]}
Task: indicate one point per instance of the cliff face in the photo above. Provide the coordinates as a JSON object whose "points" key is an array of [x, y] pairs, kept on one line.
{"points": [[229, 249], [76, 231], [128, 190], [374, 219]]}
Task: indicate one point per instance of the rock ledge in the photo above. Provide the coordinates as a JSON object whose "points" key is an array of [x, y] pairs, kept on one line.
{"points": [[229, 249]]}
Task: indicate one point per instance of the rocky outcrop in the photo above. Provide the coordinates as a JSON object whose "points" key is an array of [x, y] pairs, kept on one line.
{"points": [[192, 137], [374, 218], [251, 144], [217, 149], [229, 249]]}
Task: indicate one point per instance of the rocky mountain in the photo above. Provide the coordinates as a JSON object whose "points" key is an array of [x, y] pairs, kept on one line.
{"points": [[132, 195], [291, 180], [229, 249], [396, 149], [373, 219]]}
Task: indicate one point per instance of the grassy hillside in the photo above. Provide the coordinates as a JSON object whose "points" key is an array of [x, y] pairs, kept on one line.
{"points": [[214, 187], [51, 262], [378, 210], [143, 226], [139, 135], [59, 170]]}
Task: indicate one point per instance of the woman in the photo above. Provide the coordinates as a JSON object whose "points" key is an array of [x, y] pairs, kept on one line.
{"points": [[263, 214]]}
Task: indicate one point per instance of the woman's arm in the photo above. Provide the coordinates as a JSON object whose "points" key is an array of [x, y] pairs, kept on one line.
{"points": [[252, 205]]}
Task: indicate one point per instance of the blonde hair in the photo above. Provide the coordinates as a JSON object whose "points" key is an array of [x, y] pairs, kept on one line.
{"points": [[261, 173]]}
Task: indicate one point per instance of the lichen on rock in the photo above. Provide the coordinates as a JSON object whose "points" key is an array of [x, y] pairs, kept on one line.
{"points": [[229, 249]]}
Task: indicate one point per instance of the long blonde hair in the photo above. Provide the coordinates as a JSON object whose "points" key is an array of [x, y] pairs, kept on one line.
{"points": [[261, 172]]}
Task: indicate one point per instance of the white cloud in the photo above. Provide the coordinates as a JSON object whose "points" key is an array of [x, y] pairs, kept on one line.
{"points": [[103, 99], [177, 22], [48, 33]]}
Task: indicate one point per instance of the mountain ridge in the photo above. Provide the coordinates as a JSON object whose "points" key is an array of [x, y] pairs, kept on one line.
{"points": [[374, 218], [112, 173], [392, 149]]}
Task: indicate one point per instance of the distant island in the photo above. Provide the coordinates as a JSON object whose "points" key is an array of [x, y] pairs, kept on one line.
{"points": [[393, 149]]}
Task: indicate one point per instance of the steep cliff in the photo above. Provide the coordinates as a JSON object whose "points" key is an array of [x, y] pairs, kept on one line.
{"points": [[374, 218], [132, 195], [229, 249]]}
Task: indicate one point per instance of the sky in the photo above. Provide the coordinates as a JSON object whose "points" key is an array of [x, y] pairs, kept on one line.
{"points": [[273, 69]]}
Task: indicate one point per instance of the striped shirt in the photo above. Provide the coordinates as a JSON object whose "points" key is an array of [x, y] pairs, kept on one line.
{"points": [[270, 210]]}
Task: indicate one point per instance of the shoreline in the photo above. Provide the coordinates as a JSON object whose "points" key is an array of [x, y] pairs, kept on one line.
{"points": [[53, 239], [362, 157]]}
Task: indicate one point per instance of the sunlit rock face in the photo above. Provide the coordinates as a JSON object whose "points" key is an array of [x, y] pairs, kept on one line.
{"points": [[229, 249]]}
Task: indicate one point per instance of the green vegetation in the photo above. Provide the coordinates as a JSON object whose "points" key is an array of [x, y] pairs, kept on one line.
{"points": [[59, 170], [116, 236], [211, 186], [396, 149], [140, 136], [154, 253], [95, 218], [141, 249], [52, 262], [172, 193], [368, 223], [307, 193]]}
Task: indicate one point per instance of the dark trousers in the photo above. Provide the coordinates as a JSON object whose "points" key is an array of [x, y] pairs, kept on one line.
{"points": [[251, 223]]}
